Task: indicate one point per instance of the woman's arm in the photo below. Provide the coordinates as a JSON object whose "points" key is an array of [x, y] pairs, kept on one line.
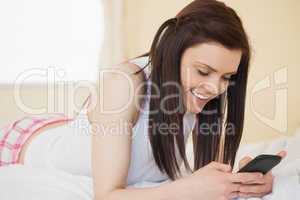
{"points": [[112, 131], [161, 192]]}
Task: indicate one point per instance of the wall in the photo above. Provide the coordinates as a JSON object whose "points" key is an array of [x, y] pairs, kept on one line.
{"points": [[273, 27], [40, 98]]}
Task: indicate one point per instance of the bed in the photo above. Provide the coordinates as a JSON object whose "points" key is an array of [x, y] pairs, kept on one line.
{"points": [[20, 182]]}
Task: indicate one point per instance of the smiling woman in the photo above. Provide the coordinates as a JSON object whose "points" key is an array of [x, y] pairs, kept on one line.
{"points": [[193, 80], [197, 35]]}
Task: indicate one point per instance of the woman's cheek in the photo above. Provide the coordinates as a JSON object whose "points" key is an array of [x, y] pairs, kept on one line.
{"points": [[224, 87]]}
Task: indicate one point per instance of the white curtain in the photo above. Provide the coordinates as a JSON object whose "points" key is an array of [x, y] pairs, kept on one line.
{"points": [[57, 36]]}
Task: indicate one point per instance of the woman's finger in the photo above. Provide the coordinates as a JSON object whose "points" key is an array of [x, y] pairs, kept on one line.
{"points": [[267, 179], [259, 189], [245, 177], [250, 195], [282, 154], [257, 181], [235, 187], [244, 161], [233, 195]]}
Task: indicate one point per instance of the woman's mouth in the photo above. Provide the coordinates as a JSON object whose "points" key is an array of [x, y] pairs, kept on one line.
{"points": [[199, 96]]}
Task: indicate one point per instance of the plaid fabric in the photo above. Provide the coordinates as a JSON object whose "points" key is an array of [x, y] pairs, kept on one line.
{"points": [[13, 137]]}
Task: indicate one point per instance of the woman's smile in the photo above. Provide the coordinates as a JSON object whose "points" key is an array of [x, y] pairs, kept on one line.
{"points": [[199, 95], [199, 98]]}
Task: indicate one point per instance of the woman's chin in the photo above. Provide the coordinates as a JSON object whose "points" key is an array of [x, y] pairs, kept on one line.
{"points": [[195, 109], [194, 104]]}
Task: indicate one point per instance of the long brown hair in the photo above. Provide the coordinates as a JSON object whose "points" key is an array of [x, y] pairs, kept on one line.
{"points": [[200, 21]]}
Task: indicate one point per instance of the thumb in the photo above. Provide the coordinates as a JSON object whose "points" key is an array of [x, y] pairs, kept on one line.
{"points": [[282, 154], [244, 161], [220, 166]]}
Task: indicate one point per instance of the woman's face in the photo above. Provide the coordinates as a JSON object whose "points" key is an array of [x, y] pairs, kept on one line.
{"points": [[205, 72]]}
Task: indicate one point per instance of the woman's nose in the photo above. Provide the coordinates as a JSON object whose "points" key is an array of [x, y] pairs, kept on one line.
{"points": [[213, 87], [207, 89]]}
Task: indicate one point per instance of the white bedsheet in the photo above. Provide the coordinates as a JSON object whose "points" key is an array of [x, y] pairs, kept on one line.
{"points": [[18, 182]]}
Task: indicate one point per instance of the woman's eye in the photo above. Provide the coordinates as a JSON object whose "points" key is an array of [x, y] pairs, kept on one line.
{"points": [[202, 73], [227, 78]]}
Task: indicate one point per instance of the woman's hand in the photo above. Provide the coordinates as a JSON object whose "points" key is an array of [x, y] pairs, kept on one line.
{"points": [[214, 181], [257, 188]]}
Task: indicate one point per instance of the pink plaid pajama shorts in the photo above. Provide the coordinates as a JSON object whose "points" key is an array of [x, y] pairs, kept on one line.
{"points": [[14, 136]]}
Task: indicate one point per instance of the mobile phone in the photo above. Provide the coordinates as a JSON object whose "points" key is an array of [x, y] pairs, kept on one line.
{"points": [[262, 163]]}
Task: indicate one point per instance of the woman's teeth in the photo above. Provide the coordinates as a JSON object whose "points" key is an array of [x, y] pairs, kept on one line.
{"points": [[199, 95]]}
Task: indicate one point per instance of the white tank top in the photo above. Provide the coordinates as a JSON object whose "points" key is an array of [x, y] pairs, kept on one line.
{"points": [[143, 167], [68, 147]]}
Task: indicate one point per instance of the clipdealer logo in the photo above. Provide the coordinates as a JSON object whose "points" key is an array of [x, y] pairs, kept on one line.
{"points": [[277, 83]]}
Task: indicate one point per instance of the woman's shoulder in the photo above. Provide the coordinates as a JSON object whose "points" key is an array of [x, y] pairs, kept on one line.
{"points": [[135, 64], [121, 87], [140, 61]]}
